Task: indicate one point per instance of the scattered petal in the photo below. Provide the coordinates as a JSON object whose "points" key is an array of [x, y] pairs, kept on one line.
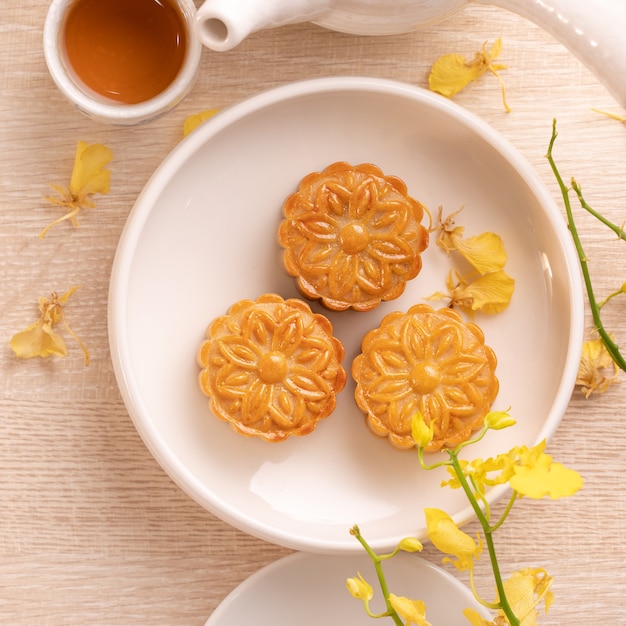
{"points": [[89, 176], [453, 72], [40, 339], [193, 121]]}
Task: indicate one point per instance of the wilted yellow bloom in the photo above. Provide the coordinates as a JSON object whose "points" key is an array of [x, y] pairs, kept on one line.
{"points": [[490, 293], [453, 72], [193, 121], [40, 339], [359, 588], [413, 611], [448, 538], [535, 474], [525, 590], [592, 374], [89, 176], [484, 252]]}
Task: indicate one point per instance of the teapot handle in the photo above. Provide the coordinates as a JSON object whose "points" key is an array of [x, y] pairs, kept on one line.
{"points": [[593, 31]]}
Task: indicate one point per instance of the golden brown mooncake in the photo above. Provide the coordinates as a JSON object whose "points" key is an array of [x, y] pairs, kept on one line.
{"points": [[352, 236], [429, 361], [271, 367]]}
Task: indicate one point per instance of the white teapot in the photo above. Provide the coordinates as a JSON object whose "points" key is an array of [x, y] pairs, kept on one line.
{"points": [[594, 30]]}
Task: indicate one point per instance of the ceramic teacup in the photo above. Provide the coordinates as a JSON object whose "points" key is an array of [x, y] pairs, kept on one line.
{"points": [[99, 104]]}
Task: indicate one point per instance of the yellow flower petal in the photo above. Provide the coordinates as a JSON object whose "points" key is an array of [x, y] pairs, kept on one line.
{"points": [[546, 479], [193, 121], [535, 475], [485, 252], [525, 590], [474, 618], [413, 611], [89, 175], [36, 340], [448, 538], [490, 293], [452, 72]]}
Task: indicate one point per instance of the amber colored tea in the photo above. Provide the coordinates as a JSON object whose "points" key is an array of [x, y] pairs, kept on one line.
{"points": [[125, 50]]}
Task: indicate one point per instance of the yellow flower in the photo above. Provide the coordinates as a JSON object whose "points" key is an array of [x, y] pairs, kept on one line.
{"points": [[453, 72], [413, 611], [535, 475], [448, 538], [525, 590], [359, 588], [193, 121], [40, 339], [89, 176], [480, 471], [594, 361]]}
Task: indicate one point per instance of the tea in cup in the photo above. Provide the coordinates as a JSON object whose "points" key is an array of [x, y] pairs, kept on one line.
{"points": [[122, 61]]}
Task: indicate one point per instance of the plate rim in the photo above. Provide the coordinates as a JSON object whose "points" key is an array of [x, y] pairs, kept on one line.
{"points": [[299, 560]]}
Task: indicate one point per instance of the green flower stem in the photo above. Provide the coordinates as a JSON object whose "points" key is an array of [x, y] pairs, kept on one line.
{"points": [[391, 612], [506, 512], [583, 203], [611, 346], [610, 297], [484, 522]]}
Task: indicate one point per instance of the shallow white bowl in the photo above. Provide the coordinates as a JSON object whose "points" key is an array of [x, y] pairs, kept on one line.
{"points": [[202, 235], [310, 590]]}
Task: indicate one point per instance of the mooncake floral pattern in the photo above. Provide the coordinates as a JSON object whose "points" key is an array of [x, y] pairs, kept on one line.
{"points": [[352, 236], [428, 361], [271, 367]]}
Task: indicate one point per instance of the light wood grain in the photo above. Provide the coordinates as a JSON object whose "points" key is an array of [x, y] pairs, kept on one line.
{"points": [[92, 531]]}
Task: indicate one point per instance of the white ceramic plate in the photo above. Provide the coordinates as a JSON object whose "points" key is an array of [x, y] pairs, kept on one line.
{"points": [[202, 236], [310, 590]]}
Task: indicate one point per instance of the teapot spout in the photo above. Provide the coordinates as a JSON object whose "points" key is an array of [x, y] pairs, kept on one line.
{"points": [[593, 31], [223, 24]]}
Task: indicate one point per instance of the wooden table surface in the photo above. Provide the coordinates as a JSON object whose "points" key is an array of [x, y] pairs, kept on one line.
{"points": [[92, 530]]}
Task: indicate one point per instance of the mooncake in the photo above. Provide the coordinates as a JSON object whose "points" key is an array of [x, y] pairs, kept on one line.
{"points": [[352, 236], [430, 361], [271, 367]]}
